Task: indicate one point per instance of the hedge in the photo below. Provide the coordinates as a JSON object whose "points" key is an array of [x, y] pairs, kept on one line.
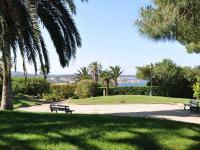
{"points": [[33, 86], [37, 86], [145, 90], [65, 91]]}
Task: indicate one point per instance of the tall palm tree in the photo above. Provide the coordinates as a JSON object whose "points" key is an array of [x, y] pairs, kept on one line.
{"points": [[20, 22], [106, 77], [95, 69], [116, 71], [83, 74], [146, 73]]}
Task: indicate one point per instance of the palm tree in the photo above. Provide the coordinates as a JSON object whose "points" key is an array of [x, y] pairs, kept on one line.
{"points": [[95, 69], [146, 73], [83, 74], [106, 77], [116, 72], [20, 22]]}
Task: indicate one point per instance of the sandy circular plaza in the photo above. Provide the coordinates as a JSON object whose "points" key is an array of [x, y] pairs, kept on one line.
{"points": [[164, 111]]}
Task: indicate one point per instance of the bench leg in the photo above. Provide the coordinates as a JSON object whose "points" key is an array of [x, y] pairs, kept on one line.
{"points": [[68, 112]]}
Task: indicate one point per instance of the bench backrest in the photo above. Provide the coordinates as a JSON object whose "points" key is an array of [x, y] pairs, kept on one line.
{"points": [[194, 102], [56, 105]]}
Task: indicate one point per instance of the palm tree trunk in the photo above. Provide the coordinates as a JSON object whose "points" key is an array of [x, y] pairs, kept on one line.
{"points": [[96, 76], [116, 82], [107, 88], [6, 101]]}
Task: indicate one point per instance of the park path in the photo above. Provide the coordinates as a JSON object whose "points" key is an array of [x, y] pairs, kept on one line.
{"points": [[164, 111]]}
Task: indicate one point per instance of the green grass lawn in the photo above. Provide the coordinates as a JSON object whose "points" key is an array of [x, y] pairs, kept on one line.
{"points": [[26, 131], [25, 101], [128, 99]]}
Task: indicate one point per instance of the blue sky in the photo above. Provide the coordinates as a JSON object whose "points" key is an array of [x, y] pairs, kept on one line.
{"points": [[110, 37]]}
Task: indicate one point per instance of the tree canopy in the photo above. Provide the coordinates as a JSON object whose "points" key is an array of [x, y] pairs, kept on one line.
{"points": [[95, 70], [83, 74], [172, 20], [144, 72], [116, 72], [170, 77], [20, 28]]}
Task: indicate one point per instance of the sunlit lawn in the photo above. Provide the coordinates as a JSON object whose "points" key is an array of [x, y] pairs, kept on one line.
{"points": [[128, 99], [26, 101], [25, 131]]}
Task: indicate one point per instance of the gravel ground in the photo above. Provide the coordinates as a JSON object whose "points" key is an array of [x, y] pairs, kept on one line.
{"points": [[164, 111]]}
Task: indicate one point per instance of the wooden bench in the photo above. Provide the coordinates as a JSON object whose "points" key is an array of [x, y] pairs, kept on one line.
{"points": [[192, 104], [56, 108]]}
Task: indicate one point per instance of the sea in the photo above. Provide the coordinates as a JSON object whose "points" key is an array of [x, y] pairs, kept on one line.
{"points": [[130, 84], [128, 81]]}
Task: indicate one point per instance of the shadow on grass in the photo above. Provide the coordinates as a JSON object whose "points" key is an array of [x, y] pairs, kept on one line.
{"points": [[26, 101], [89, 132], [175, 112], [142, 140]]}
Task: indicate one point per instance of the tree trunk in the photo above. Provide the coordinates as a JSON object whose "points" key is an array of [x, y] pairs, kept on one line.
{"points": [[107, 88], [6, 101], [96, 78], [115, 82]]}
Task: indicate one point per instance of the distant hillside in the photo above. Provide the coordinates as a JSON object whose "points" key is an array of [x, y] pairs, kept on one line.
{"points": [[124, 80], [21, 74], [53, 78], [69, 78]]}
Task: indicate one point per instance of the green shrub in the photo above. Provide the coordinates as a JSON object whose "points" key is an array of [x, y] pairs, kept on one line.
{"points": [[196, 88], [53, 96], [145, 90], [65, 91], [75, 97], [32, 86], [86, 88]]}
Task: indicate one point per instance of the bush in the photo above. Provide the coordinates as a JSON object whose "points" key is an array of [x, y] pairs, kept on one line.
{"points": [[145, 90], [75, 97], [196, 88], [86, 88], [65, 91], [53, 96], [32, 86]]}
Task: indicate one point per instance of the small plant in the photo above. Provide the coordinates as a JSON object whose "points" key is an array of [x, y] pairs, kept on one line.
{"points": [[86, 88]]}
